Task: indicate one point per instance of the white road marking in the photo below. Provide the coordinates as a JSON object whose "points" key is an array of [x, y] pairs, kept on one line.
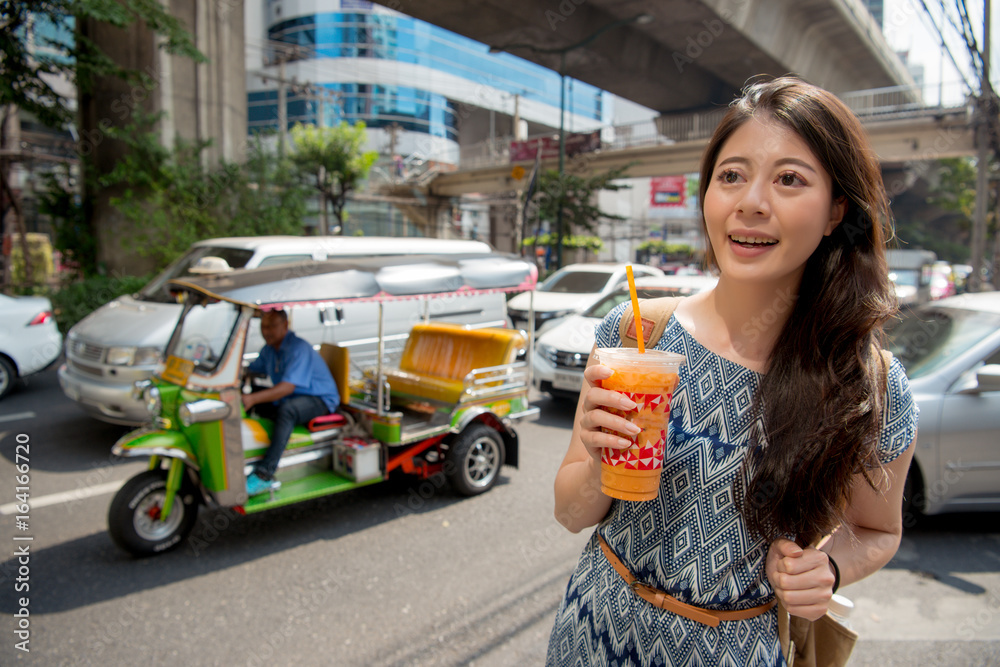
{"points": [[17, 416], [65, 496]]}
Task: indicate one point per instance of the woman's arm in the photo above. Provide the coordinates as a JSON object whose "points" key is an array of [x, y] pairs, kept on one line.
{"points": [[579, 501], [875, 518], [803, 578]]}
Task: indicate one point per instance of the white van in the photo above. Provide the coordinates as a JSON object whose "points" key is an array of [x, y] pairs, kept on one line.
{"points": [[121, 342]]}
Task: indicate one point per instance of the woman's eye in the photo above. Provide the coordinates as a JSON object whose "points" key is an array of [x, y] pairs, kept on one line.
{"points": [[788, 179], [729, 176]]}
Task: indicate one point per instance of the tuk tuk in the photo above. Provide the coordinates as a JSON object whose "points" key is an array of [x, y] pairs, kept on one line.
{"points": [[447, 407]]}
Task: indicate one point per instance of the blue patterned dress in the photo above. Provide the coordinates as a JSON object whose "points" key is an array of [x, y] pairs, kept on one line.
{"points": [[690, 541]]}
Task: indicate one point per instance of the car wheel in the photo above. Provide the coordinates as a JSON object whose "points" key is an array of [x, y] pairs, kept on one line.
{"points": [[134, 516], [476, 456], [8, 376]]}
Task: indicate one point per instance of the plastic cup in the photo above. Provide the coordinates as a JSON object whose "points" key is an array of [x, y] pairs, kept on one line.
{"points": [[649, 378]]}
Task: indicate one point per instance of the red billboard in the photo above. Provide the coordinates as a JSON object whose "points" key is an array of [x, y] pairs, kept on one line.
{"points": [[522, 151], [667, 191]]}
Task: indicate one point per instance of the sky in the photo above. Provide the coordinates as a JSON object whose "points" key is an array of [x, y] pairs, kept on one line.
{"points": [[907, 28]]}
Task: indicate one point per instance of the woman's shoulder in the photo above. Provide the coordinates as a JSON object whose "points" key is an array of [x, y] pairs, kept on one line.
{"points": [[619, 323], [899, 411]]}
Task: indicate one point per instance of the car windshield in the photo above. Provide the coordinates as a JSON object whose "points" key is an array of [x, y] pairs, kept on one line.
{"points": [[156, 289], [576, 282], [927, 339], [204, 334]]}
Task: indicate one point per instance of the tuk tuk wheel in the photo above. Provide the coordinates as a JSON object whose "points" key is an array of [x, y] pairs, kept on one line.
{"points": [[134, 517], [476, 455]]}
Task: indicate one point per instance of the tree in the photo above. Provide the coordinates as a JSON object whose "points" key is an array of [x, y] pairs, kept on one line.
{"points": [[577, 195], [333, 161], [953, 191], [174, 200], [33, 64]]}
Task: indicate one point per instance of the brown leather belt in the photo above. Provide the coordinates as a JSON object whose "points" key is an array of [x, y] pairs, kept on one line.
{"points": [[710, 617]]}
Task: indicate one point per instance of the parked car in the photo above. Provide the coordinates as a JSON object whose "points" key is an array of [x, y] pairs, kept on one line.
{"points": [[29, 338], [563, 349], [122, 341], [571, 289], [951, 351]]}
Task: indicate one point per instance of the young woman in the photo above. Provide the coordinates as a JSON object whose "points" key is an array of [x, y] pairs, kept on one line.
{"points": [[787, 421]]}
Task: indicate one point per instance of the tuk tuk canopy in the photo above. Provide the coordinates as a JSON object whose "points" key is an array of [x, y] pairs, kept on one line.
{"points": [[365, 279]]}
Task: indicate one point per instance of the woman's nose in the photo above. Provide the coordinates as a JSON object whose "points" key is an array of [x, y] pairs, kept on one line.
{"points": [[755, 198]]}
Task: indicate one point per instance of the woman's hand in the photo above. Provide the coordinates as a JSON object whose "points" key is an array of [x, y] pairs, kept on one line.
{"points": [[594, 418], [802, 578], [579, 500]]}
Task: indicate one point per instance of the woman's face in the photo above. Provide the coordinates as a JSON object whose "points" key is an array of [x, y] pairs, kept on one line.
{"points": [[768, 205]]}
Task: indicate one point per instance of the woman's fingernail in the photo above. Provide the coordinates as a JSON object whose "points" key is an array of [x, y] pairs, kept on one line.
{"points": [[627, 403], [633, 429], [622, 442]]}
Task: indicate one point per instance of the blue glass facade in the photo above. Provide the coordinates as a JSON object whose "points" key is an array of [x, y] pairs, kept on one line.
{"points": [[406, 40], [378, 106]]}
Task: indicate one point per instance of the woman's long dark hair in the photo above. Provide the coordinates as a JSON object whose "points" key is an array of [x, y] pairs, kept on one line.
{"points": [[820, 398]]}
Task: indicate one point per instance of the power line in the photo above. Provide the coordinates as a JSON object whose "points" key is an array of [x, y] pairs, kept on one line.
{"points": [[944, 43]]}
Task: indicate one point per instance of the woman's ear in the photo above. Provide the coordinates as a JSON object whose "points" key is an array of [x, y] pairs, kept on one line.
{"points": [[837, 210]]}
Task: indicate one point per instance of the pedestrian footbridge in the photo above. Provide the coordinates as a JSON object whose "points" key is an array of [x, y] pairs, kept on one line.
{"points": [[902, 128]]}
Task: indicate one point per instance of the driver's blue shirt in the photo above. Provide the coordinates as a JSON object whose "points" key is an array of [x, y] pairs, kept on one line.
{"points": [[297, 362]]}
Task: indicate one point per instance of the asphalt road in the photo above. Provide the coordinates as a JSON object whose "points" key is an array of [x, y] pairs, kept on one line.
{"points": [[394, 574]]}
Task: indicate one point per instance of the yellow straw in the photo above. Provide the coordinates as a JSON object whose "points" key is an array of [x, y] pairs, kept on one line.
{"points": [[635, 310]]}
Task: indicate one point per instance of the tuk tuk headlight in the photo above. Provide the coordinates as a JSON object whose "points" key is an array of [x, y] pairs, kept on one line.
{"points": [[139, 389], [153, 402], [205, 410]]}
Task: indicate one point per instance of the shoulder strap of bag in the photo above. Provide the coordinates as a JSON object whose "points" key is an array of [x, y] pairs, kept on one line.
{"points": [[655, 315]]}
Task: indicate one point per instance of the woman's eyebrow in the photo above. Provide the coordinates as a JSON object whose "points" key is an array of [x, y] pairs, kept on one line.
{"points": [[736, 159], [796, 161]]}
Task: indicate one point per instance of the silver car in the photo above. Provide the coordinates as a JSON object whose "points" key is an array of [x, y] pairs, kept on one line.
{"points": [[563, 347], [951, 351]]}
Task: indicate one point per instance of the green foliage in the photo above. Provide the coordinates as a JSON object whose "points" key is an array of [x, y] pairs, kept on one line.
{"points": [[332, 160], [75, 301], [677, 251], [576, 196], [953, 190], [573, 241], [27, 79], [73, 236], [173, 200]]}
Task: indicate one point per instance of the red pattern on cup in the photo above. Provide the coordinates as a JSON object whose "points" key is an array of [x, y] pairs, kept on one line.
{"points": [[648, 445]]}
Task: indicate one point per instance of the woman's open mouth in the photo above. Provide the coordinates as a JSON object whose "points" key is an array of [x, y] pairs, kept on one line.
{"points": [[751, 241]]}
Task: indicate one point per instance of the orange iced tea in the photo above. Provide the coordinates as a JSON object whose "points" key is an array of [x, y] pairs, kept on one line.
{"points": [[649, 379]]}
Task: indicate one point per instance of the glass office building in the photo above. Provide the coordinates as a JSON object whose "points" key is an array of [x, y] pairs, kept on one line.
{"points": [[421, 90]]}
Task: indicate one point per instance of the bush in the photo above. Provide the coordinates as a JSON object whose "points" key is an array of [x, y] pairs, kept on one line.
{"points": [[77, 300]]}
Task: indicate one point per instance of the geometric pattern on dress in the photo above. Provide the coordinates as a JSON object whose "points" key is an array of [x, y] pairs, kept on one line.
{"points": [[691, 540]]}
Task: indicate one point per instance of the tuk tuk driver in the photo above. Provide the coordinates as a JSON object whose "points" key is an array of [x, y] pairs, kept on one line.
{"points": [[303, 389]]}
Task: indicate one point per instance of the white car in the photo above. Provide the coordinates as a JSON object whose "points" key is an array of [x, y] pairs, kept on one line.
{"points": [[121, 342], [572, 289], [563, 349], [29, 338]]}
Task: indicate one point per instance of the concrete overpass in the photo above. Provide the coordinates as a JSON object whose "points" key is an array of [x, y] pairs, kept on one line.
{"points": [[693, 54], [899, 136]]}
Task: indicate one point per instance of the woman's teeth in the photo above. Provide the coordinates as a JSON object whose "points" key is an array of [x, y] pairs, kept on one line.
{"points": [[751, 240]]}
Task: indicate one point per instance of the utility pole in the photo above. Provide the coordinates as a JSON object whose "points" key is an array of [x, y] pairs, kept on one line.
{"points": [[282, 108], [983, 122]]}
